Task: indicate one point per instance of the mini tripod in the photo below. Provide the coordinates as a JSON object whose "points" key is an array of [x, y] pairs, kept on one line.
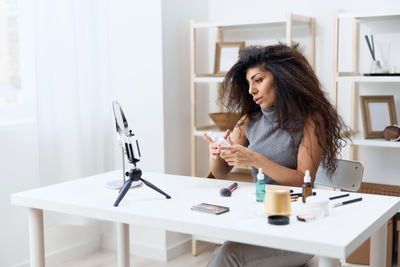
{"points": [[132, 152], [135, 174]]}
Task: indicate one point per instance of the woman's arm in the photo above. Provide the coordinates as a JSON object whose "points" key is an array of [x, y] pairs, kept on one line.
{"points": [[308, 158], [218, 166]]}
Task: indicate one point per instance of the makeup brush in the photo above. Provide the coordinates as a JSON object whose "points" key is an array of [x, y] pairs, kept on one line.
{"points": [[371, 47], [227, 192]]}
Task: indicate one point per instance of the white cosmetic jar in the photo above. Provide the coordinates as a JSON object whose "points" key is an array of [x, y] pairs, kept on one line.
{"points": [[318, 206]]}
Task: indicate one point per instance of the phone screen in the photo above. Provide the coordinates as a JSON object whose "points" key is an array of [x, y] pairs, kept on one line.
{"points": [[210, 208]]}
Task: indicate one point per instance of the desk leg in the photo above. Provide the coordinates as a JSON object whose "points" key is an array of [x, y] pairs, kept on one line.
{"points": [[123, 245], [36, 237], [378, 247], [328, 262]]}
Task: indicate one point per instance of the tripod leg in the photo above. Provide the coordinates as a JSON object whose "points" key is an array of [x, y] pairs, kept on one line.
{"points": [[123, 191], [155, 188]]}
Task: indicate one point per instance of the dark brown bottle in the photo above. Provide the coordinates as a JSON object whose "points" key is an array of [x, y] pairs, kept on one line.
{"points": [[306, 188]]}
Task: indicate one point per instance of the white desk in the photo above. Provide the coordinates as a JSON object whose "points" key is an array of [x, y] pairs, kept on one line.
{"points": [[332, 237]]}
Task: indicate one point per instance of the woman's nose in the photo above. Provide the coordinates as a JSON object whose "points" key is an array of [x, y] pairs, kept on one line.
{"points": [[252, 89]]}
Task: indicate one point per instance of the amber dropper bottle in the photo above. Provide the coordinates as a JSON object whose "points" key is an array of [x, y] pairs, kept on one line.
{"points": [[307, 188]]}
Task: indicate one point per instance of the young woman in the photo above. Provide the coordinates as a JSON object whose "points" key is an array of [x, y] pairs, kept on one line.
{"points": [[287, 126]]}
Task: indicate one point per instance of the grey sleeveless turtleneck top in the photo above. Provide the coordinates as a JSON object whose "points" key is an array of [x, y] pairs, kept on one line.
{"points": [[266, 138]]}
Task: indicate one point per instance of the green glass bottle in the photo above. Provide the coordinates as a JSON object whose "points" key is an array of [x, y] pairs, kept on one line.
{"points": [[260, 186]]}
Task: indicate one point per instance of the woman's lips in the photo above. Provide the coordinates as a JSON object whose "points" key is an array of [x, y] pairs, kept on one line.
{"points": [[258, 100]]}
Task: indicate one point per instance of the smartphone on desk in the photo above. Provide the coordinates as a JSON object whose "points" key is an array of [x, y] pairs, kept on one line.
{"points": [[210, 208]]}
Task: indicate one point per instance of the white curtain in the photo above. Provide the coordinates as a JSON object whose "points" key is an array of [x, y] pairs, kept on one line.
{"points": [[74, 106]]}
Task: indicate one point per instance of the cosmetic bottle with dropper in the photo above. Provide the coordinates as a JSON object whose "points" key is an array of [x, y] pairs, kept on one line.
{"points": [[260, 186], [307, 188]]}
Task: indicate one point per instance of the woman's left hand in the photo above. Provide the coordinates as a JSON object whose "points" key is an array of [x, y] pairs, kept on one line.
{"points": [[237, 154]]}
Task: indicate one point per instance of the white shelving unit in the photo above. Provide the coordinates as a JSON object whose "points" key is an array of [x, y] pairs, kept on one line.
{"points": [[200, 132], [381, 142], [369, 16], [355, 80], [208, 79], [286, 21], [369, 79]]}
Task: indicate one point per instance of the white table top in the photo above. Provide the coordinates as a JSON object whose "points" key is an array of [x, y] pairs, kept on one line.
{"points": [[334, 236]]}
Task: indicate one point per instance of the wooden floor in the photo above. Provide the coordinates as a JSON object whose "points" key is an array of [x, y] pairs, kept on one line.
{"points": [[107, 258]]}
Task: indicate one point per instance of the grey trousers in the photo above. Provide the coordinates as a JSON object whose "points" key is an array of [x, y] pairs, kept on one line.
{"points": [[232, 254]]}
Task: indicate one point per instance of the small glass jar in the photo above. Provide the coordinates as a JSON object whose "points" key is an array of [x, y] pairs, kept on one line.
{"points": [[318, 206], [376, 67]]}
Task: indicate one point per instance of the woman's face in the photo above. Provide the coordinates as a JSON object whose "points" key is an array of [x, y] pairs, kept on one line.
{"points": [[261, 86]]}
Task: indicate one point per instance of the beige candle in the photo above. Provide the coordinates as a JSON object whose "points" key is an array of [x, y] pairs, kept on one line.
{"points": [[277, 201]]}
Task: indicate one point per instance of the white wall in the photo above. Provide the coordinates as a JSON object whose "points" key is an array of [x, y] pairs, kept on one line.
{"points": [[154, 99], [19, 162], [380, 164], [19, 172], [136, 77], [19, 169], [135, 64], [176, 82]]}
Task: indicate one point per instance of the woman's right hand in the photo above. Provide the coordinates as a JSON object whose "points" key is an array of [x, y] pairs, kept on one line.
{"points": [[215, 148]]}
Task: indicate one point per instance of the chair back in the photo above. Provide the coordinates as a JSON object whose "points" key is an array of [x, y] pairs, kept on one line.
{"points": [[348, 175]]}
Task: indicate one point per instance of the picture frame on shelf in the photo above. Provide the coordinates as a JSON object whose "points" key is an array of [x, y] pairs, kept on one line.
{"points": [[378, 111], [226, 55]]}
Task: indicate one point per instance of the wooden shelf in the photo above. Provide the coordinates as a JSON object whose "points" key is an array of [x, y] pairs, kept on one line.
{"points": [[369, 79], [201, 130], [211, 24], [370, 15], [278, 19], [251, 22], [208, 79], [381, 142]]}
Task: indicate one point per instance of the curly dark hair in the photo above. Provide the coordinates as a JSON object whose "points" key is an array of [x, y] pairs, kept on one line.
{"points": [[298, 97]]}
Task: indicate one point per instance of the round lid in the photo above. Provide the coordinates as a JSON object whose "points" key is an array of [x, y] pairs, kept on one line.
{"points": [[276, 189], [307, 177], [278, 220], [260, 175]]}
